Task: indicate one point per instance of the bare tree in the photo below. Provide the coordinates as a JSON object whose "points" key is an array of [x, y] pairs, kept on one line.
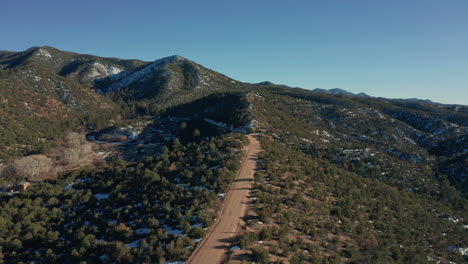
{"points": [[32, 166]]}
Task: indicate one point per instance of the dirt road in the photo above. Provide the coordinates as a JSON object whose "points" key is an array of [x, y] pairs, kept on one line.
{"points": [[215, 245]]}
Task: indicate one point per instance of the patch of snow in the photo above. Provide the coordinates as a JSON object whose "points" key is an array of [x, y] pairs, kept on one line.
{"points": [[84, 180], [101, 196], [325, 133], [69, 186], [111, 70], [104, 258], [94, 74], [380, 115], [463, 251], [69, 224], [410, 141], [175, 232], [142, 231], [43, 53], [101, 71], [230, 127], [134, 244], [197, 225]]}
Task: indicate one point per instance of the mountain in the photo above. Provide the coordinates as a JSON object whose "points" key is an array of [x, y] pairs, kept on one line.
{"points": [[265, 83], [40, 103], [342, 178], [417, 100], [167, 81], [363, 95], [50, 91], [339, 91], [334, 91]]}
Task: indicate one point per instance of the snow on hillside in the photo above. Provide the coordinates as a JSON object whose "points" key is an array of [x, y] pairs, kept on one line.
{"points": [[135, 76], [229, 127], [41, 52], [101, 71]]}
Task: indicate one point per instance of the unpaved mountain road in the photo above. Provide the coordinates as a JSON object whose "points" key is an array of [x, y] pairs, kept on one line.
{"points": [[215, 245]]}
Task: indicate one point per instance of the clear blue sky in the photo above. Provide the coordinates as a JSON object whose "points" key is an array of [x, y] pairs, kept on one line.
{"points": [[389, 48]]}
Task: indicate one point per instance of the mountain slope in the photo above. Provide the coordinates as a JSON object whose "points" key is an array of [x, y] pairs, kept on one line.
{"points": [[343, 178], [166, 82], [348, 179], [354, 131], [39, 104], [50, 91]]}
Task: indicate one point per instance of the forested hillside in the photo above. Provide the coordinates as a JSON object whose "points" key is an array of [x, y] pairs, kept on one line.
{"points": [[405, 144], [140, 154], [46, 92], [356, 180], [148, 211], [315, 212], [41, 101]]}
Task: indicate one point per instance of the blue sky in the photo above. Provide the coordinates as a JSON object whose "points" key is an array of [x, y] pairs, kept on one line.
{"points": [[396, 49]]}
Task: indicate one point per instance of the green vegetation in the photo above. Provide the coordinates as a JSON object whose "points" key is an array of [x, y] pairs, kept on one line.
{"points": [[38, 107], [314, 210], [377, 138], [342, 179], [354, 180], [129, 212], [226, 108]]}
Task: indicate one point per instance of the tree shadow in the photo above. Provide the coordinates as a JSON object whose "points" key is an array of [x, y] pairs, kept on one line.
{"points": [[244, 180], [229, 242], [235, 189], [242, 257]]}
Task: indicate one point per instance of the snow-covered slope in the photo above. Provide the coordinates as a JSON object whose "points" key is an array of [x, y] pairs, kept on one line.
{"points": [[101, 71], [137, 75]]}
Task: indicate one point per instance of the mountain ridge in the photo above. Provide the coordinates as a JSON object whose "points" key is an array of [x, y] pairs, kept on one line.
{"points": [[98, 68]]}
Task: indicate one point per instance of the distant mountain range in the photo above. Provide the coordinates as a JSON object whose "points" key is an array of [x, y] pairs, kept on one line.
{"points": [[339, 91]]}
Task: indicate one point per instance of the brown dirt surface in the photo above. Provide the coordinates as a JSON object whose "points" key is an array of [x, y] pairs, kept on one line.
{"points": [[221, 236]]}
